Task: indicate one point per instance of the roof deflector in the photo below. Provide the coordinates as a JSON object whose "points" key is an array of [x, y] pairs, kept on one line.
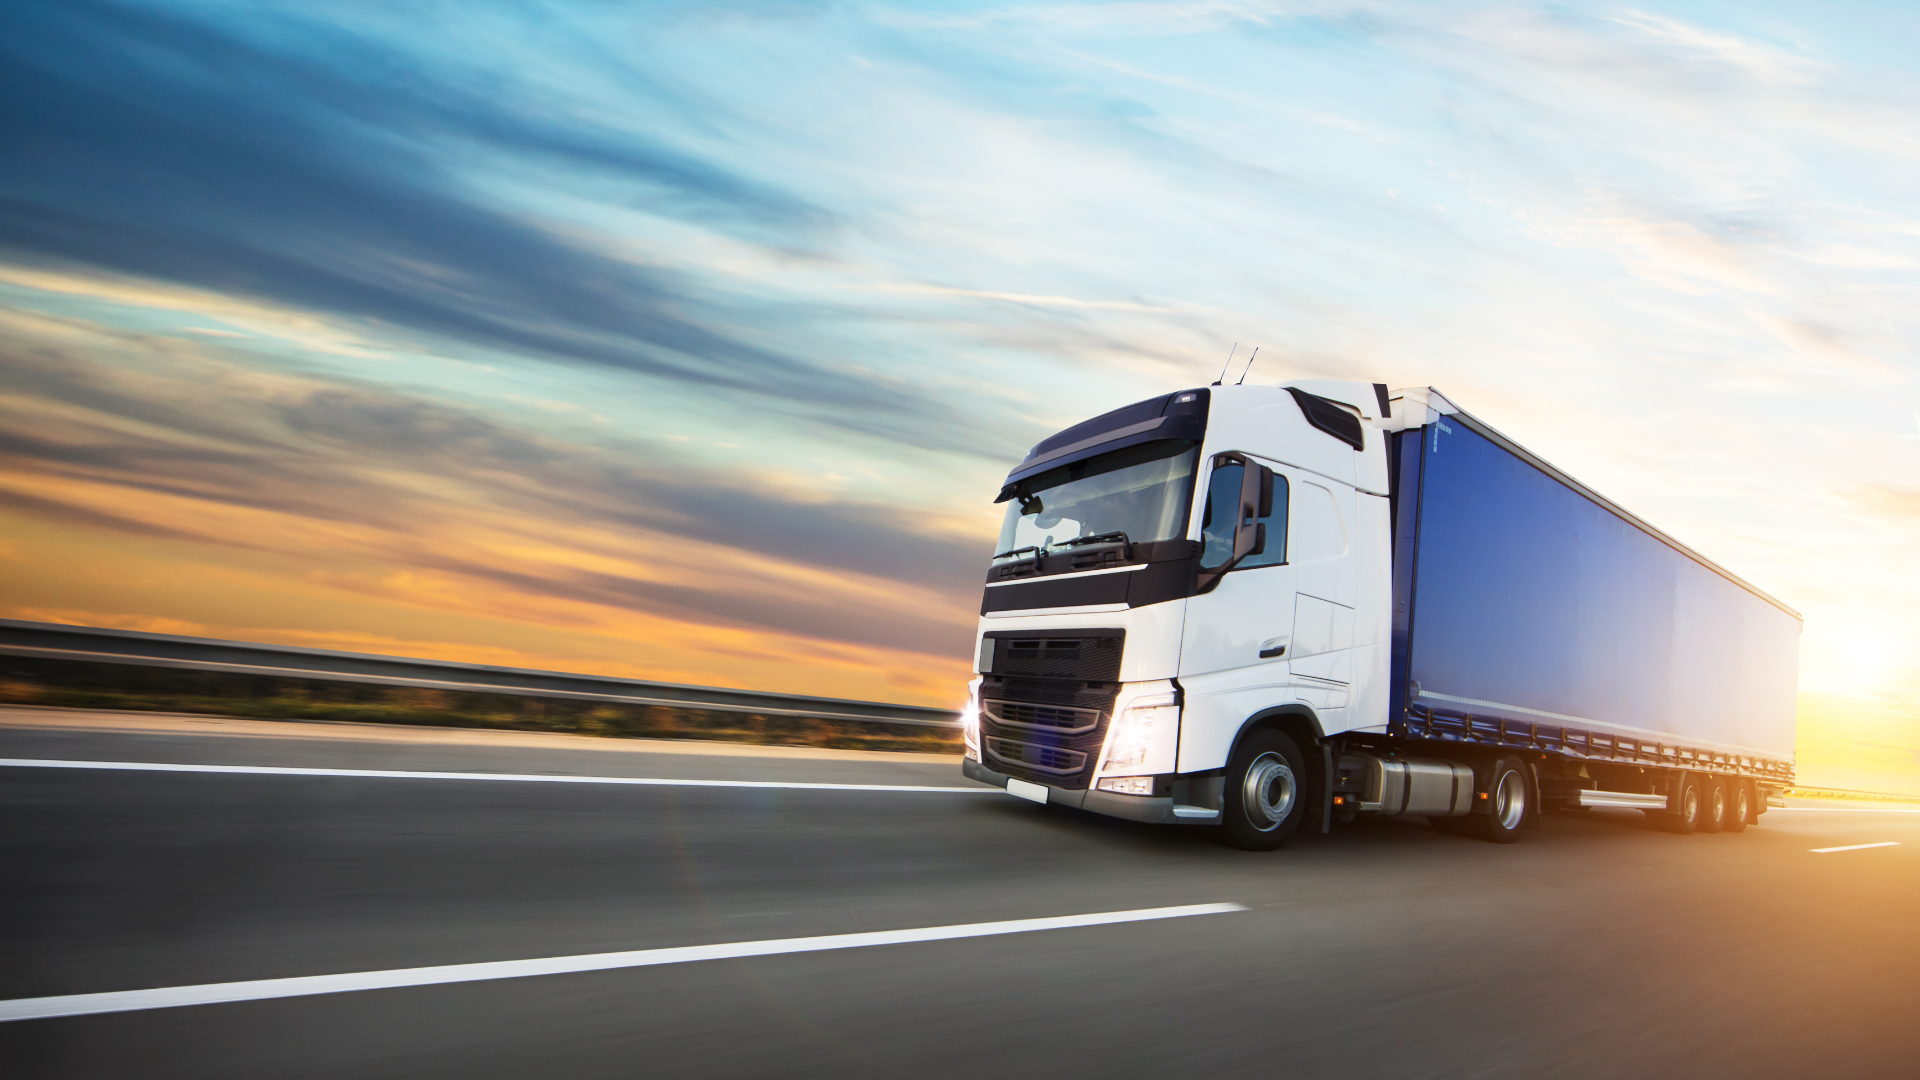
{"points": [[1330, 417]]}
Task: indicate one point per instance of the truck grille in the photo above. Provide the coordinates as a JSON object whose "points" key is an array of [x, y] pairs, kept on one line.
{"points": [[1046, 759], [1046, 703], [1064, 720]]}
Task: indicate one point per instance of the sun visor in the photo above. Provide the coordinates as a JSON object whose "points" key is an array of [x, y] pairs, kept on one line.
{"points": [[1175, 416]]}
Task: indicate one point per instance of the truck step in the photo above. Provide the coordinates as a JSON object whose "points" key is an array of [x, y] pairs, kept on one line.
{"points": [[1631, 799]]}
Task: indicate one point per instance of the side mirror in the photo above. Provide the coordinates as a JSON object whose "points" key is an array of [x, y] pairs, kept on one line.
{"points": [[1254, 500], [1250, 537]]}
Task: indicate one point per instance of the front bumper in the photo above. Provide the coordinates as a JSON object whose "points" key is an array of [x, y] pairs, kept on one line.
{"points": [[1131, 807]]}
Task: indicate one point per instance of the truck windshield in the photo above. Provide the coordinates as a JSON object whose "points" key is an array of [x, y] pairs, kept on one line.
{"points": [[1141, 491]]}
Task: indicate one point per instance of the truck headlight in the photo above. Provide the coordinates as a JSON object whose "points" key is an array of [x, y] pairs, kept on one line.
{"points": [[1143, 726], [1127, 785], [970, 721]]}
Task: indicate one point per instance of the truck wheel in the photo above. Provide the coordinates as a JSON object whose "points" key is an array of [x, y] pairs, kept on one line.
{"points": [[1509, 789], [1739, 805], [1713, 813], [1265, 791], [1688, 807], [1509, 792]]}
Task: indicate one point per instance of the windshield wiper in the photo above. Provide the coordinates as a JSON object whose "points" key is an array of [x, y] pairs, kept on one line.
{"points": [[1099, 538]]}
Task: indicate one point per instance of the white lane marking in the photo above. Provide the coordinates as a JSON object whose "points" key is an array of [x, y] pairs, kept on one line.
{"points": [[1853, 847], [534, 778], [1843, 810], [173, 996]]}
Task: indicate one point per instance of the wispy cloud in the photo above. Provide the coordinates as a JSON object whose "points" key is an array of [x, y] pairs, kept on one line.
{"points": [[395, 491], [1029, 299], [310, 168], [1765, 62], [710, 327]]}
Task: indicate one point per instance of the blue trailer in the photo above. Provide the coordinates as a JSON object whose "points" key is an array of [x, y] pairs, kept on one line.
{"points": [[1531, 612], [1258, 608]]}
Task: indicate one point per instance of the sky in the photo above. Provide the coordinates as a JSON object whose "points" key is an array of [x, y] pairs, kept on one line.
{"points": [[691, 341]]}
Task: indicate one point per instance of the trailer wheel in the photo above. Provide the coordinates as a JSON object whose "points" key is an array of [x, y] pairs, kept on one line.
{"points": [[1713, 812], [1265, 791], [1739, 804], [1685, 816]]}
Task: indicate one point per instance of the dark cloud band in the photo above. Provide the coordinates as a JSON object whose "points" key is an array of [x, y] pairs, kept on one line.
{"points": [[350, 454], [301, 166]]}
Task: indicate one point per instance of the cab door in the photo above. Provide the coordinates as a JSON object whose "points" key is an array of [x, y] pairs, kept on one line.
{"points": [[1237, 633], [1248, 610]]}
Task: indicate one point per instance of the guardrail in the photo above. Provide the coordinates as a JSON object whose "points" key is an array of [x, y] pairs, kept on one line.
{"points": [[1811, 791], [58, 641]]}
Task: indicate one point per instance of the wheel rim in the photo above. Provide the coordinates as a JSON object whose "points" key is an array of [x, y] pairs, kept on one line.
{"points": [[1719, 804], [1510, 801], [1690, 803], [1740, 804], [1268, 791]]}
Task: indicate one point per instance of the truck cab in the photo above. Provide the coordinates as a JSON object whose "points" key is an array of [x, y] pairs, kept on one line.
{"points": [[1189, 596], [1265, 606]]}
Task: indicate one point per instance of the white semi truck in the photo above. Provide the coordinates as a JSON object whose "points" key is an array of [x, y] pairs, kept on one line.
{"points": [[1263, 607]]}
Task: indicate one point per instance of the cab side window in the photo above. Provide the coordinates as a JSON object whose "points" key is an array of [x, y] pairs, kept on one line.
{"points": [[1216, 519]]}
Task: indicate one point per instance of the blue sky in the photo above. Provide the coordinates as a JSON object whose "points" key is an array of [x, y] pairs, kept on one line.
{"points": [[690, 340]]}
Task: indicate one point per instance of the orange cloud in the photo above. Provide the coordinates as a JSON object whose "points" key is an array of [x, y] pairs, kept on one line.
{"points": [[191, 496]]}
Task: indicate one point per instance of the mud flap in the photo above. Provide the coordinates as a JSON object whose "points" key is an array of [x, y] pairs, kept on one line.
{"points": [[1322, 793]]}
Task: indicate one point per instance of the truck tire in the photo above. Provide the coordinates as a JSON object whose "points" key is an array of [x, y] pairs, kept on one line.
{"points": [[1509, 800], [1265, 791], [1688, 807], [1713, 803], [1509, 806], [1739, 804]]}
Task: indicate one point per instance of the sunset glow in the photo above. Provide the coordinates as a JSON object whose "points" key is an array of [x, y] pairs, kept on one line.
{"points": [[692, 342]]}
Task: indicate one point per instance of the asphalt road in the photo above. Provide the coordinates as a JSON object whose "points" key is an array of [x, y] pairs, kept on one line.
{"points": [[1595, 947]]}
